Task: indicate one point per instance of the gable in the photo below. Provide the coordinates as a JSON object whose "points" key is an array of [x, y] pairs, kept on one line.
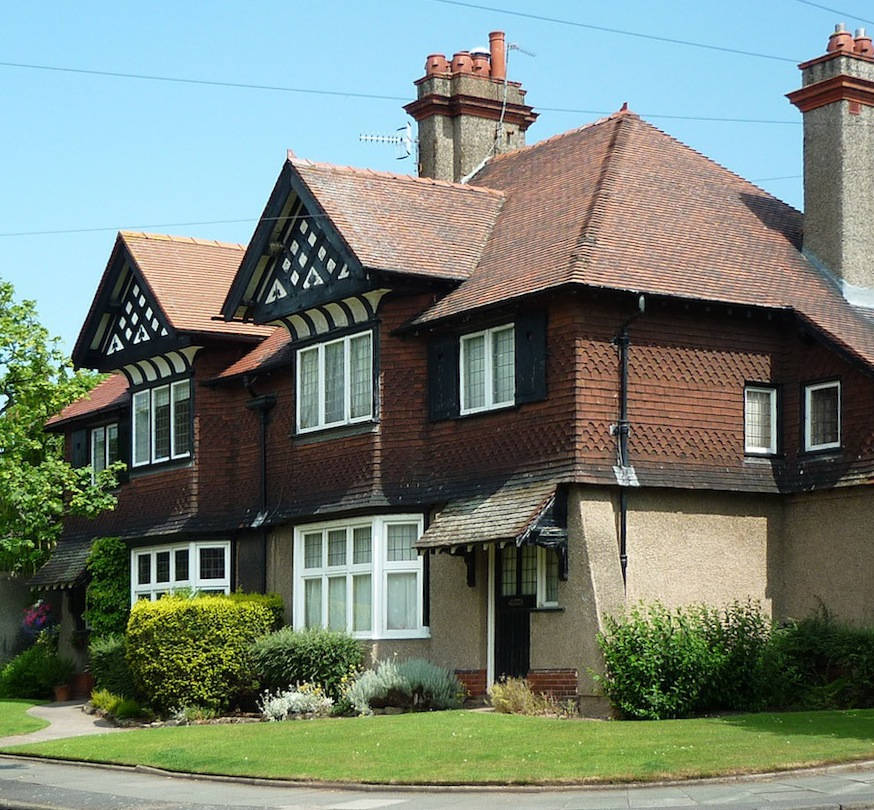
{"points": [[296, 259], [126, 323]]}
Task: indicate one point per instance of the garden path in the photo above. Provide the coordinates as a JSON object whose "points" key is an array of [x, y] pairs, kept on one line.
{"points": [[65, 720]]}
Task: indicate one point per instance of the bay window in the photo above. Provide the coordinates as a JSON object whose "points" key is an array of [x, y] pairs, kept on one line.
{"points": [[361, 576], [488, 369], [201, 566], [822, 416], [760, 420], [161, 423], [335, 382]]}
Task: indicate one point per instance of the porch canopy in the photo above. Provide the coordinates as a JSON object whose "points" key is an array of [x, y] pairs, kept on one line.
{"points": [[65, 568], [531, 512]]}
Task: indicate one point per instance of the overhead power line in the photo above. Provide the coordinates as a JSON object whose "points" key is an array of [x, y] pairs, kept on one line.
{"points": [[620, 31], [835, 11], [209, 82]]}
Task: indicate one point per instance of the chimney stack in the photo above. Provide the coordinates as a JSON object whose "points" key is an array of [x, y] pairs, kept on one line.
{"points": [[461, 112], [837, 103]]}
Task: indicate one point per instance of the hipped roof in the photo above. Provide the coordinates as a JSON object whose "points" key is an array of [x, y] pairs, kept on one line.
{"points": [[108, 395]]}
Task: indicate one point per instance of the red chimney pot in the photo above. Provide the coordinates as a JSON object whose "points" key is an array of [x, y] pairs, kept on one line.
{"points": [[498, 48], [840, 40], [863, 45], [462, 63], [436, 63]]}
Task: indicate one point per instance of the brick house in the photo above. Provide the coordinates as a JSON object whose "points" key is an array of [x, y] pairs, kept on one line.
{"points": [[467, 414]]}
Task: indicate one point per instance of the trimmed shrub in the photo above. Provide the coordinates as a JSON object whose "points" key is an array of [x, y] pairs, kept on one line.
{"points": [[414, 684], [194, 652], [108, 657], [662, 664], [34, 673], [272, 601], [321, 657], [107, 598]]}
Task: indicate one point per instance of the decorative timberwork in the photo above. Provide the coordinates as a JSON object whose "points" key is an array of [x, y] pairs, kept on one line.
{"points": [[138, 321], [341, 314], [161, 366]]}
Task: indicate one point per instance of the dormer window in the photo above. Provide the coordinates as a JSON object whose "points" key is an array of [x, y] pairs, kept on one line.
{"points": [[822, 416], [760, 420], [335, 382], [488, 369], [161, 423]]}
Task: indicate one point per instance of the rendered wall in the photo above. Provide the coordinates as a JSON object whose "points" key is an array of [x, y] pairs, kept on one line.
{"points": [[14, 597]]}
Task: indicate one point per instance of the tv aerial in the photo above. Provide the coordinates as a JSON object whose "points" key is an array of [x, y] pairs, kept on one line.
{"points": [[403, 140]]}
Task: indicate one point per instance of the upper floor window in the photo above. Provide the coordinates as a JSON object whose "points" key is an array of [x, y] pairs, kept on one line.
{"points": [[488, 369], [493, 368], [760, 419], [335, 382], [104, 447], [822, 415], [203, 567], [161, 423], [361, 576]]}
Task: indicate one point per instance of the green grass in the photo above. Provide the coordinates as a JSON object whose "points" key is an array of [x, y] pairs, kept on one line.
{"points": [[468, 747], [13, 719]]}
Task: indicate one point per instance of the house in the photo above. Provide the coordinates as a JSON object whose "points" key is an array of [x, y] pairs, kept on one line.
{"points": [[465, 415]]}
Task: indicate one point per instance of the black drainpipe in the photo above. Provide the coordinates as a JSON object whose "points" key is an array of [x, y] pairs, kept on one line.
{"points": [[622, 429], [263, 404]]}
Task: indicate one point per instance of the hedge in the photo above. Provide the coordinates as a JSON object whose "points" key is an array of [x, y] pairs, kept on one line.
{"points": [[107, 598], [322, 657], [108, 663], [195, 652]]}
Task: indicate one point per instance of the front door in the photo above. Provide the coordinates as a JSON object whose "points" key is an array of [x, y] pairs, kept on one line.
{"points": [[515, 596]]}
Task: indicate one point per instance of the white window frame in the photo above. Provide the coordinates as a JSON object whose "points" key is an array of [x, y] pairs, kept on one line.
{"points": [[542, 601], [771, 449], [153, 589], [379, 568], [150, 395], [347, 418], [93, 435], [809, 446], [489, 401]]}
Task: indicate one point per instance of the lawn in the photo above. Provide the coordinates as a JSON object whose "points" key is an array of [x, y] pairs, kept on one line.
{"points": [[473, 747], [13, 719]]}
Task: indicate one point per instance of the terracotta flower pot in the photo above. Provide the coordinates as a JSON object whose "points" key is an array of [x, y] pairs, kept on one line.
{"points": [[62, 692]]}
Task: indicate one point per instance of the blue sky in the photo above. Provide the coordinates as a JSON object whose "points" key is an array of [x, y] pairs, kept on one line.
{"points": [[96, 152]]}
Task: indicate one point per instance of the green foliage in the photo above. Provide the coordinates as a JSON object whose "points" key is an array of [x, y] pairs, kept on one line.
{"points": [[34, 673], [414, 684], [123, 708], [663, 664], [821, 663], [514, 696], [109, 666], [37, 487], [272, 601], [321, 657], [108, 593], [194, 652]]}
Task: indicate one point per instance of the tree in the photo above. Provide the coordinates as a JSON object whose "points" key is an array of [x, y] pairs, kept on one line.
{"points": [[38, 489]]}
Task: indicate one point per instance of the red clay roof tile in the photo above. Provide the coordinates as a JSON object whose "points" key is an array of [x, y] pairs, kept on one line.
{"points": [[110, 393]]}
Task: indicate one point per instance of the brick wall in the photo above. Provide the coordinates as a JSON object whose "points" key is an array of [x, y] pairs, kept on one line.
{"points": [[474, 680], [558, 683]]}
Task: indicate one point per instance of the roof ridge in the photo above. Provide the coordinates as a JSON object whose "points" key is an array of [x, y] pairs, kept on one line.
{"points": [[190, 240], [621, 113], [601, 198], [429, 181]]}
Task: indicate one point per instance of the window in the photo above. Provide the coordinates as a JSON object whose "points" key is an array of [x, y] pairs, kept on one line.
{"points": [[104, 448], [203, 567], [760, 419], [335, 382], [361, 576], [822, 416], [161, 423], [488, 369], [530, 571]]}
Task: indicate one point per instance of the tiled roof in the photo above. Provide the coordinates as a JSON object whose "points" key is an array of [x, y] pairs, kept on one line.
{"points": [[395, 222], [65, 567], [273, 352], [619, 204], [190, 278], [503, 514], [109, 394]]}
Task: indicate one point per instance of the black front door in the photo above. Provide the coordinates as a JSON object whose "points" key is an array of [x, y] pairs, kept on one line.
{"points": [[515, 596]]}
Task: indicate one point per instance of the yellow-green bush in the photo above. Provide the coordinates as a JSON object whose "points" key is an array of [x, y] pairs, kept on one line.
{"points": [[194, 652]]}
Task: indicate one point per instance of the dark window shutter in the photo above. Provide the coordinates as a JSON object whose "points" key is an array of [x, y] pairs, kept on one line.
{"points": [[443, 378], [80, 456], [124, 446], [530, 331]]}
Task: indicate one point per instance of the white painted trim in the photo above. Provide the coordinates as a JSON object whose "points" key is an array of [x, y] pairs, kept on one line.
{"points": [[808, 390], [490, 629], [489, 365], [772, 402], [194, 581]]}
